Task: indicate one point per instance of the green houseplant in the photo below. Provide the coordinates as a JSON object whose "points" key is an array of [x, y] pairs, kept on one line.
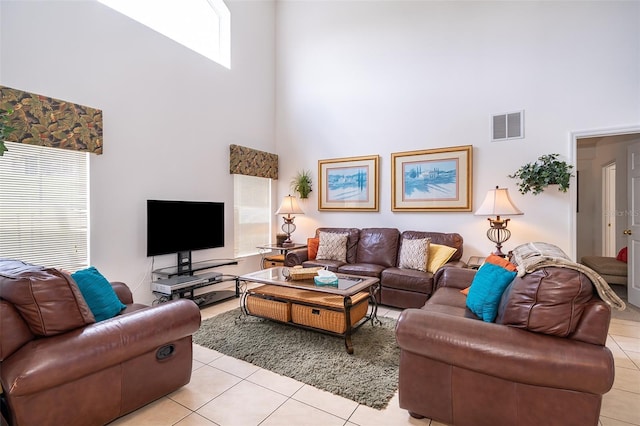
{"points": [[5, 130], [301, 183], [547, 170]]}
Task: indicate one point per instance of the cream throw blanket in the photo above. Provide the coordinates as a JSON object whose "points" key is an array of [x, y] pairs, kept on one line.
{"points": [[530, 257]]}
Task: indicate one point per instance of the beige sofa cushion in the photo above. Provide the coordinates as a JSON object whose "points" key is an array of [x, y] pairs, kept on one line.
{"points": [[605, 265], [613, 271]]}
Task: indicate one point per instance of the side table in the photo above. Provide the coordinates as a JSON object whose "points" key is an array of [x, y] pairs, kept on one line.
{"points": [[270, 260], [475, 262]]}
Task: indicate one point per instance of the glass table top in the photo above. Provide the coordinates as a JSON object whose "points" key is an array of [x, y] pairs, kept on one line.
{"points": [[280, 276]]}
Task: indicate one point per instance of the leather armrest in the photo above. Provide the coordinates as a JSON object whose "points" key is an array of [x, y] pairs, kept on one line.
{"points": [[48, 362], [455, 264], [453, 277], [506, 352], [296, 257], [123, 292]]}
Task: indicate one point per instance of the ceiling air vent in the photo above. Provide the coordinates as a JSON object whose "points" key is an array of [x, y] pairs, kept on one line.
{"points": [[507, 126]]}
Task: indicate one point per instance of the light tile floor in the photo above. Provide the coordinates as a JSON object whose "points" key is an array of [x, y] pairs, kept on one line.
{"points": [[225, 391]]}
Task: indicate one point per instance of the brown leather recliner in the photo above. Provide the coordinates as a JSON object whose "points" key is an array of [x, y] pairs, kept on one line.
{"points": [[59, 367], [544, 360]]}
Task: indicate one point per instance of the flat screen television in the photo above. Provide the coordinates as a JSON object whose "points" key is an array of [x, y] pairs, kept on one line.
{"points": [[183, 226]]}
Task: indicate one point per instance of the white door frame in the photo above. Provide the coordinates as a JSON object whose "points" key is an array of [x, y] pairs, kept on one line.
{"points": [[609, 210], [573, 158], [633, 231]]}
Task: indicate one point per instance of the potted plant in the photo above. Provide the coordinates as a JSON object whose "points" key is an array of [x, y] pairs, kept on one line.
{"points": [[301, 183], [5, 130], [547, 170]]}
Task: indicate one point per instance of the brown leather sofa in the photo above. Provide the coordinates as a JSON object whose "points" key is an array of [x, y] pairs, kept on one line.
{"points": [[611, 269], [373, 252], [59, 367], [543, 362]]}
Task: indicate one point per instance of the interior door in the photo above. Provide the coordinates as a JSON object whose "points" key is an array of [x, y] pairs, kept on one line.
{"points": [[633, 230]]}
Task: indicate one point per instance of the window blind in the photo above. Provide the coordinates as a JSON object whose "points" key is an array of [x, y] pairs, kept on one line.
{"points": [[252, 214], [44, 206]]}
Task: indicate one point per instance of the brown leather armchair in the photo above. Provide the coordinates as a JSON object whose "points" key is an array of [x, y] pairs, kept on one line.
{"points": [[544, 360], [59, 367]]}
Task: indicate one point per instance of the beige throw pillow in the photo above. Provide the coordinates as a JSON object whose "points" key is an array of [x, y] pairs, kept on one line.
{"points": [[332, 246], [438, 255], [414, 254]]}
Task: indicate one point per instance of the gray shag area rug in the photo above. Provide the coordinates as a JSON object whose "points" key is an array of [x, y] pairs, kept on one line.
{"points": [[369, 376]]}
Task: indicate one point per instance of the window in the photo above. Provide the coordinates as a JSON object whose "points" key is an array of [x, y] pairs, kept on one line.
{"points": [[44, 206], [203, 26], [252, 214]]}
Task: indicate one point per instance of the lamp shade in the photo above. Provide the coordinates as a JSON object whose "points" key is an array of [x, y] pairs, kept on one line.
{"points": [[497, 203], [289, 206]]}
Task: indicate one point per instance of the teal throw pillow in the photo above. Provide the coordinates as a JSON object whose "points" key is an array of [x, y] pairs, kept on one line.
{"points": [[98, 293], [486, 290]]}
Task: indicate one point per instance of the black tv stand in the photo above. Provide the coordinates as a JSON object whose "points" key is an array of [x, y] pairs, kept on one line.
{"points": [[180, 282], [184, 263]]}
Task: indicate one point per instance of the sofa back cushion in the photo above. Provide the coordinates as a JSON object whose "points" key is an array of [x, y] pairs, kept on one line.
{"points": [[48, 300], [352, 240], [378, 246], [550, 300], [448, 239]]}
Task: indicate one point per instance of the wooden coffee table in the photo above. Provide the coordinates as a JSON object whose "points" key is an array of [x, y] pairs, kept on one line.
{"points": [[332, 310]]}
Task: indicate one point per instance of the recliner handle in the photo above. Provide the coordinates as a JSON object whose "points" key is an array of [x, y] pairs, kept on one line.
{"points": [[165, 352]]}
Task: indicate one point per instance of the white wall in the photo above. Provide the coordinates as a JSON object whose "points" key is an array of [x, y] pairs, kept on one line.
{"points": [[340, 79], [377, 77], [169, 113]]}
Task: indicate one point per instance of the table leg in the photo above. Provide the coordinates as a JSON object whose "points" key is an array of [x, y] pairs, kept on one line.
{"points": [[373, 290], [243, 299], [347, 317]]}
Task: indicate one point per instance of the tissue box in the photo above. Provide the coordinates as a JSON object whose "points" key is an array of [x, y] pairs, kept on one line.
{"points": [[326, 281]]}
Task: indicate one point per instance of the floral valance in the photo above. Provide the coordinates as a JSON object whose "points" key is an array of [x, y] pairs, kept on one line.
{"points": [[43, 121], [251, 162]]}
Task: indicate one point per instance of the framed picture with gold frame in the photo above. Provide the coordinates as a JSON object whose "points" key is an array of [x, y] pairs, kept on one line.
{"points": [[349, 184], [432, 179]]}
